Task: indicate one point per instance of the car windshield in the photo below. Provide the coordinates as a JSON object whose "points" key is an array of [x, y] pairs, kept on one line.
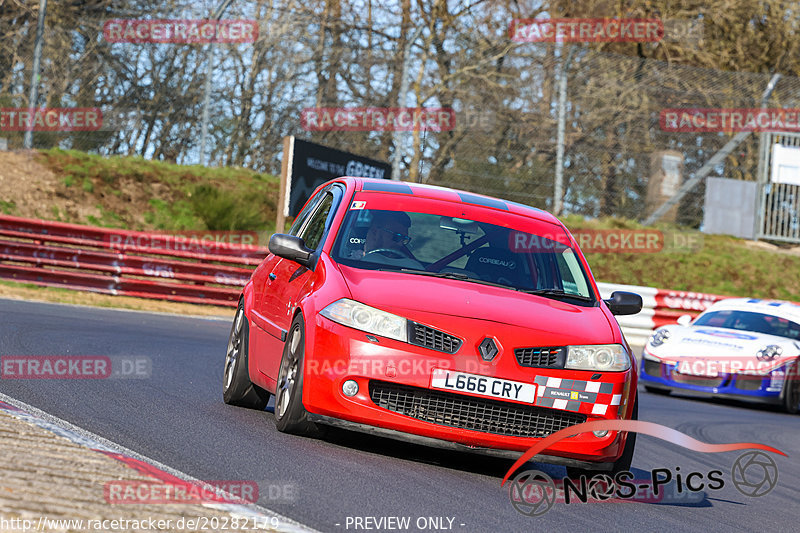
{"points": [[750, 321], [459, 248]]}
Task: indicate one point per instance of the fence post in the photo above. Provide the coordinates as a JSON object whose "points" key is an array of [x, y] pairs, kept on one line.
{"points": [[401, 100], [558, 189], [34, 92]]}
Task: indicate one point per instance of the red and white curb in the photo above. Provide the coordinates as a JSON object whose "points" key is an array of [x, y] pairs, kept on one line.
{"points": [[142, 465]]}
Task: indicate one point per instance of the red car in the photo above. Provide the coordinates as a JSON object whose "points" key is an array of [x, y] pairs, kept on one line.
{"points": [[436, 316]]}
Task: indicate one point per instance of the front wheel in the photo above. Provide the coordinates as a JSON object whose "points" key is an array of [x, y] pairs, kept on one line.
{"points": [[290, 415], [791, 388], [237, 389]]}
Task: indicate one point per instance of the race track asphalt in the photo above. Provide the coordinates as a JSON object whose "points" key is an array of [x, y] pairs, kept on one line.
{"points": [[177, 417]]}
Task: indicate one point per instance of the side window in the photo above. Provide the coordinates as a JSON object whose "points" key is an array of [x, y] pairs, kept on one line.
{"points": [[572, 278], [315, 229], [304, 214]]}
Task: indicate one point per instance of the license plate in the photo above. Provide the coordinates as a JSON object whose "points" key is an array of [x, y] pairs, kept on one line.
{"points": [[483, 385]]}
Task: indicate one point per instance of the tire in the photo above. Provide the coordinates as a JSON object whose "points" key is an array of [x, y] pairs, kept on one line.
{"points": [[656, 390], [791, 389], [237, 389], [623, 464], [290, 414]]}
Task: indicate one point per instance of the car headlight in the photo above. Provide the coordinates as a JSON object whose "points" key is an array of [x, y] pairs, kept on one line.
{"points": [[359, 316], [601, 357], [768, 353], [659, 337]]}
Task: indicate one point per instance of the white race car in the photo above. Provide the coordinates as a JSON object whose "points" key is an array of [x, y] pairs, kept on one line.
{"points": [[738, 348]]}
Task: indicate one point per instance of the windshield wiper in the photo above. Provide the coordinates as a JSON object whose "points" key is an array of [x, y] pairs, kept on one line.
{"points": [[448, 275], [557, 293]]}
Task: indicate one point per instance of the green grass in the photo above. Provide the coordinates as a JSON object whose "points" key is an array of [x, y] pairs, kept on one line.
{"points": [[7, 208], [176, 197]]}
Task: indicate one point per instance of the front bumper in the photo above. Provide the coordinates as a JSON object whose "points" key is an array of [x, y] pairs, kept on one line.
{"points": [[750, 387], [412, 410]]}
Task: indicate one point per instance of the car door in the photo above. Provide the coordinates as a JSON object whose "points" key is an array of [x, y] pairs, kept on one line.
{"points": [[286, 283], [265, 336]]}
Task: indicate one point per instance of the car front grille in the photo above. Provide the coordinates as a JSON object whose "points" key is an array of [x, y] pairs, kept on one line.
{"points": [[652, 368], [434, 339], [468, 412], [548, 357], [698, 381]]}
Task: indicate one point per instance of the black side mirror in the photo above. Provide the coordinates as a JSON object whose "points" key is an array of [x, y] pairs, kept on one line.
{"points": [[624, 303], [291, 248]]}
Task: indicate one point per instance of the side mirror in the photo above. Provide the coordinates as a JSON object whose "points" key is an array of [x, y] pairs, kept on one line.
{"points": [[291, 248], [684, 320], [624, 303]]}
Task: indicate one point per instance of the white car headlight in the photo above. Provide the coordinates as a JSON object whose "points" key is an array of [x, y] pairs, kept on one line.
{"points": [[601, 357], [359, 316], [659, 337]]}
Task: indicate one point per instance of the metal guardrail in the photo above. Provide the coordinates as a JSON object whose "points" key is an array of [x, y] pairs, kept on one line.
{"points": [[112, 261]]}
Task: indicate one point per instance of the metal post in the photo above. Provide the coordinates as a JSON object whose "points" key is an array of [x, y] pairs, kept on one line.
{"points": [[558, 190], [396, 138], [709, 165], [33, 96], [207, 96]]}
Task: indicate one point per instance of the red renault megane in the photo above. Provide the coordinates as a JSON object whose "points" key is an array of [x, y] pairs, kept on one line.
{"points": [[436, 316]]}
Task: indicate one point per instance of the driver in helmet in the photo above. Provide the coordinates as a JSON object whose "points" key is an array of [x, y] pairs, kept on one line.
{"points": [[387, 235]]}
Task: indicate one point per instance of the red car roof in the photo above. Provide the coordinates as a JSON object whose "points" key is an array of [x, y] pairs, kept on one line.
{"points": [[436, 192]]}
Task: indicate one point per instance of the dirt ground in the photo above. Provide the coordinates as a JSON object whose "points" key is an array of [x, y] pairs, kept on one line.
{"points": [[34, 189]]}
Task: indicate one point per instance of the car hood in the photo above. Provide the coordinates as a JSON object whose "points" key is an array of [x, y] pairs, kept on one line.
{"points": [[399, 292], [703, 342]]}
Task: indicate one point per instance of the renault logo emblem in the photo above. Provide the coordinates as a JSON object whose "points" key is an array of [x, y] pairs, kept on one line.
{"points": [[488, 349]]}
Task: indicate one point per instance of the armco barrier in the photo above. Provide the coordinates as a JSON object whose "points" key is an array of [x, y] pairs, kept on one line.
{"points": [[132, 263], [659, 307]]}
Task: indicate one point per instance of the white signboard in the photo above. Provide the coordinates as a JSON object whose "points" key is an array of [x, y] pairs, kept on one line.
{"points": [[785, 164]]}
